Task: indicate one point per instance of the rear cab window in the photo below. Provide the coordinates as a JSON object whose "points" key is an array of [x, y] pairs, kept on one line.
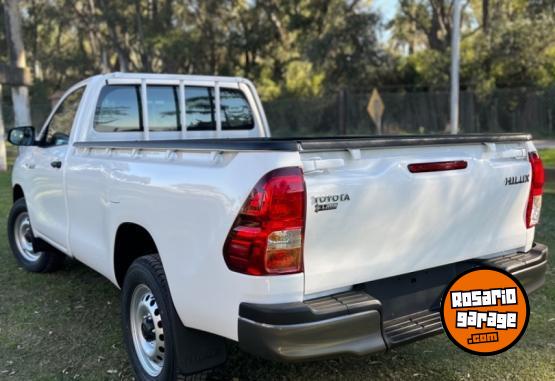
{"points": [[119, 109], [163, 108], [236, 112]]}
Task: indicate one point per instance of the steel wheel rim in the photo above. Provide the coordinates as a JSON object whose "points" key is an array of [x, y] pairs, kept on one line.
{"points": [[147, 330], [23, 234]]}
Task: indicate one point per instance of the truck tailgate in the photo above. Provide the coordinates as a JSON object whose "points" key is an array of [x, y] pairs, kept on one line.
{"points": [[368, 217]]}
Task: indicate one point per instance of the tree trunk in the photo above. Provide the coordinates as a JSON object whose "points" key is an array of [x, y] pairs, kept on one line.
{"points": [[117, 43], [122, 56], [97, 45], [104, 64], [14, 38], [37, 68], [143, 50], [3, 158], [485, 16], [167, 16]]}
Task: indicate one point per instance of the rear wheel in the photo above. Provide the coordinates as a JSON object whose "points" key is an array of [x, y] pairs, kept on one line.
{"points": [[20, 236], [147, 330], [148, 316]]}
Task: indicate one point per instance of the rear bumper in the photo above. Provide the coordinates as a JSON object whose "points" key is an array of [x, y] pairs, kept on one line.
{"points": [[529, 268], [357, 322]]}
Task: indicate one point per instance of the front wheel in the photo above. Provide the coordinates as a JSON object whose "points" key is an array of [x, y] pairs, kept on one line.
{"points": [[20, 236]]}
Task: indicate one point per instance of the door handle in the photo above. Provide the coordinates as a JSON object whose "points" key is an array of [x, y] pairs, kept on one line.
{"points": [[56, 164]]}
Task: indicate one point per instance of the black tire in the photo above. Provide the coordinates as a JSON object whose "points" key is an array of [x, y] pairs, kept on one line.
{"points": [[46, 261], [148, 271]]}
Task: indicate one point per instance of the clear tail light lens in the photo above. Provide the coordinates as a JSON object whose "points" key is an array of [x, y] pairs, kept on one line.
{"points": [[267, 235], [533, 209]]}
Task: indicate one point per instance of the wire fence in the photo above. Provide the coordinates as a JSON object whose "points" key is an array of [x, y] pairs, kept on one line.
{"points": [[506, 110], [345, 113]]}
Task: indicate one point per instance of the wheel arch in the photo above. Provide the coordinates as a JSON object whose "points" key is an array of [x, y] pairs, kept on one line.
{"points": [[17, 192], [131, 241]]}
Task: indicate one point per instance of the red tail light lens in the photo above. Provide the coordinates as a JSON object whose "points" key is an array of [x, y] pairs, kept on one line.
{"points": [[533, 209], [267, 235]]}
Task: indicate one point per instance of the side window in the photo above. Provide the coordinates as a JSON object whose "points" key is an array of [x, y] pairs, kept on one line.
{"points": [[118, 109], [235, 111], [199, 109], [163, 108], [59, 128]]}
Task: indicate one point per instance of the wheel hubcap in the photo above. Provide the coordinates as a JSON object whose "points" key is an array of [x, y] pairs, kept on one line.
{"points": [[23, 234], [147, 330]]}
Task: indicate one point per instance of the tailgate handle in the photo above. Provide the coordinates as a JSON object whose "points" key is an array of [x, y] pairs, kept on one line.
{"points": [[437, 166], [514, 153], [518, 153], [321, 164]]}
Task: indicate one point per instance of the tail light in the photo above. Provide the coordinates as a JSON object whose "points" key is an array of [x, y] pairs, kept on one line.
{"points": [[267, 235], [536, 191]]}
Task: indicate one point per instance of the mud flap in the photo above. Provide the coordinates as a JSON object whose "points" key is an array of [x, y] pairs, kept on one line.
{"points": [[197, 350]]}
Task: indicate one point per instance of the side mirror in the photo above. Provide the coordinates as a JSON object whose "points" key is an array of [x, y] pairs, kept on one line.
{"points": [[22, 136]]}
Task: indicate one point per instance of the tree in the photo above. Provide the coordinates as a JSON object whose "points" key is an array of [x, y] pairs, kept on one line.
{"points": [[322, 44], [14, 34], [514, 46], [428, 19], [504, 43]]}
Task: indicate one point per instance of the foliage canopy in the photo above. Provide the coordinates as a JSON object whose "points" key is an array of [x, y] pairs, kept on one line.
{"points": [[292, 47]]}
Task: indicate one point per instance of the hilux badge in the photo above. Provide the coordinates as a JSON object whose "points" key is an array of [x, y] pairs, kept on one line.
{"points": [[514, 180], [331, 202]]}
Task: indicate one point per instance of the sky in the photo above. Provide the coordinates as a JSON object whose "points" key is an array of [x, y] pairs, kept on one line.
{"points": [[387, 9]]}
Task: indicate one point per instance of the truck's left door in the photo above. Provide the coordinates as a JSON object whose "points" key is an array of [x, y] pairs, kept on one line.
{"points": [[46, 199]]}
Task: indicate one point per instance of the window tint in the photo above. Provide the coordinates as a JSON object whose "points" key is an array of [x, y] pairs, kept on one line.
{"points": [[163, 114], [59, 128], [199, 109], [118, 109], [235, 111]]}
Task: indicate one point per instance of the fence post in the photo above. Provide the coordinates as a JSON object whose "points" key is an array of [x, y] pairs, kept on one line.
{"points": [[455, 66], [549, 113], [3, 154], [342, 114]]}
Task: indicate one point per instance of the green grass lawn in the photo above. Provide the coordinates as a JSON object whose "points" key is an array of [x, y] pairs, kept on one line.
{"points": [[66, 326], [548, 157]]}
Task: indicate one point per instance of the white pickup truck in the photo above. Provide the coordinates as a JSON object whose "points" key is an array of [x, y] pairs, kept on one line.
{"points": [[172, 188]]}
